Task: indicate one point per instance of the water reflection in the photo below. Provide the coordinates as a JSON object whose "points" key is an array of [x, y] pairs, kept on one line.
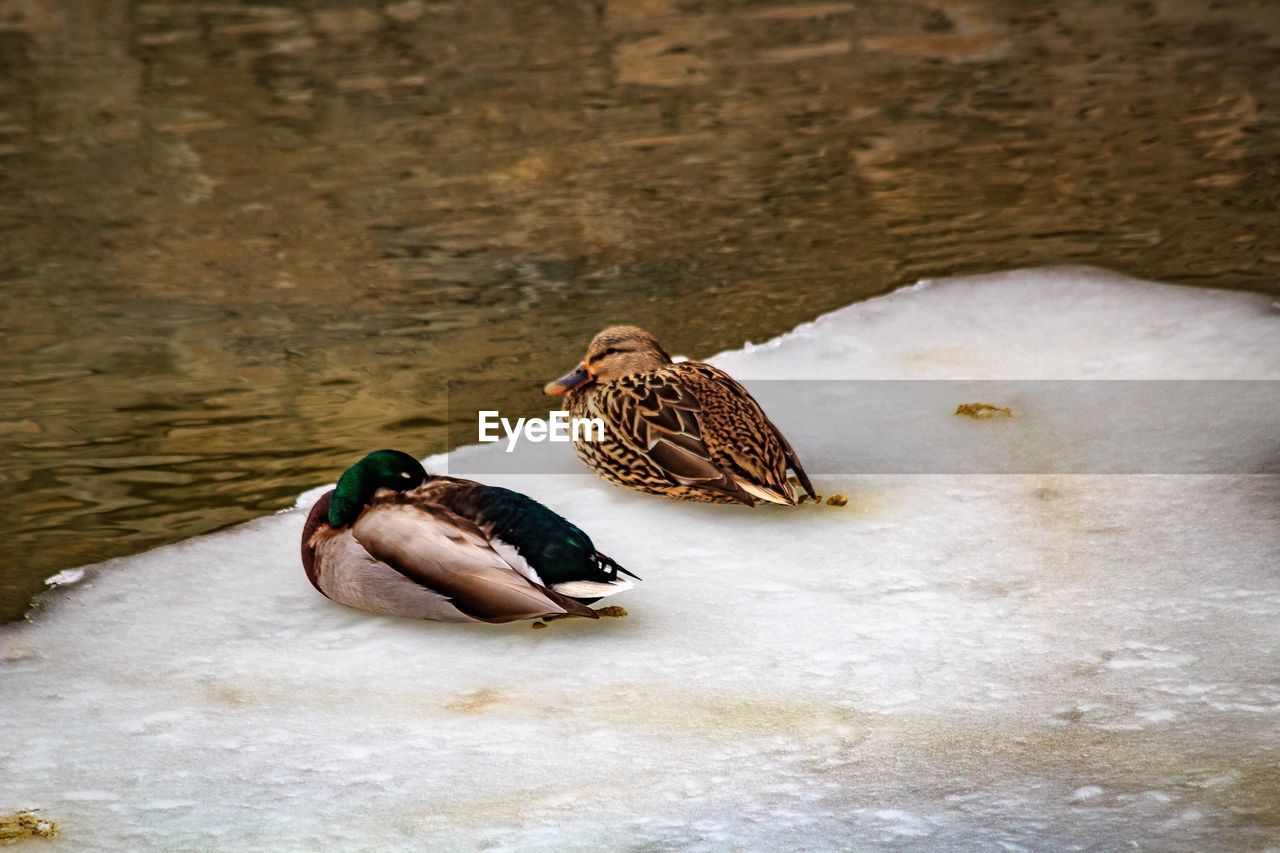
{"points": [[243, 243]]}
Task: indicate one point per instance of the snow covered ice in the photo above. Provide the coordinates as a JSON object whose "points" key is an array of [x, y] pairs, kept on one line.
{"points": [[998, 661]]}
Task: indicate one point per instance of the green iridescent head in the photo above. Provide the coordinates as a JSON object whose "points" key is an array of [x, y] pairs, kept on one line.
{"points": [[381, 469]]}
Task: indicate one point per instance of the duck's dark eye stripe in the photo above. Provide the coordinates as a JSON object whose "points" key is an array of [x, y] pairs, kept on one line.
{"points": [[609, 351]]}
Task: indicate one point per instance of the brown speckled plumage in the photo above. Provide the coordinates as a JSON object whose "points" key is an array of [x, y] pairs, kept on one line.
{"points": [[682, 430]]}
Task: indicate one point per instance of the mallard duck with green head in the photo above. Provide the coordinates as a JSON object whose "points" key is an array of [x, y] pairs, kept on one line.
{"points": [[394, 540], [684, 430]]}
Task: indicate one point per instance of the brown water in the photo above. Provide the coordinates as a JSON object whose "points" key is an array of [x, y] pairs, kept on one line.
{"points": [[240, 244]]}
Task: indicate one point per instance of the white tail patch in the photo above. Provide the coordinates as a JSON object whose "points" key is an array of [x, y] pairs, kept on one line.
{"points": [[766, 494], [592, 589]]}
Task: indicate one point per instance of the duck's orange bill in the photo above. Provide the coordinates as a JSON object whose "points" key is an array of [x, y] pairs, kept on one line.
{"points": [[569, 381]]}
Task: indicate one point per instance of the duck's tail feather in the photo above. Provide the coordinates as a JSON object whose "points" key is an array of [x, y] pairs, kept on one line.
{"points": [[592, 590], [609, 565]]}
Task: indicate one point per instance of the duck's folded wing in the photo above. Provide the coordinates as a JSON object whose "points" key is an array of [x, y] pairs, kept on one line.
{"points": [[447, 553], [348, 574], [740, 436], [665, 420], [793, 461]]}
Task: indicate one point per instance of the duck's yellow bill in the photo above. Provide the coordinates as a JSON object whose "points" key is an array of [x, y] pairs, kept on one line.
{"points": [[569, 381]]}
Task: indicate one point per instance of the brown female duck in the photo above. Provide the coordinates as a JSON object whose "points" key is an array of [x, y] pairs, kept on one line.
{"points": [[684, 430]]}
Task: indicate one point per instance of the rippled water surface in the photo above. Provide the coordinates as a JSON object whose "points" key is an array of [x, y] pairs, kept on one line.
{"points": [[242, 243]]}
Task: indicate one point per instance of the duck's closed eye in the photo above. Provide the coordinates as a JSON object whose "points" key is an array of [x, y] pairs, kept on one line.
{"points": [[405, 474]]}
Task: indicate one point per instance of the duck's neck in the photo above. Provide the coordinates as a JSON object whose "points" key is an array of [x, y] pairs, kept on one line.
{"points": [[355, 489]]}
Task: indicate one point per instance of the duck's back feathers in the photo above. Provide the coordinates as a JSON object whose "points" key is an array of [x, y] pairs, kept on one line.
{"points": [[741, 436], [691, 431], [441, 550], [537, 541]]}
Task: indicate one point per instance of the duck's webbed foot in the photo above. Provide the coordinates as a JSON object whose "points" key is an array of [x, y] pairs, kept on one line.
{"points": [[612, 610]]}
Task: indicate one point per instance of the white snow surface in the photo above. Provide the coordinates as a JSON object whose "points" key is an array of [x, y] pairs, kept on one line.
{"points": [[994, 662]]}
